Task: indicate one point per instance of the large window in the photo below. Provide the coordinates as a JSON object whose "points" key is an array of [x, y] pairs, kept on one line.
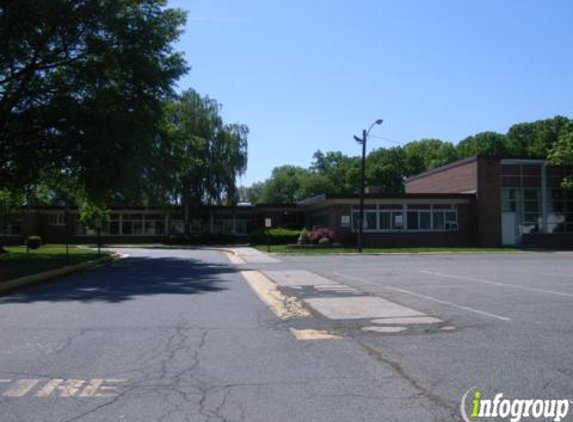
{"points": [[136, 224], [14, 228], [560, 211], [414, 217], [58, 219]]}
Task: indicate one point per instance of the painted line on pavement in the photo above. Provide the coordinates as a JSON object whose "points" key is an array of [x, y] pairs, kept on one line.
{"points": [[430, 298], [63, 388], [454, 305], [496, 283], [281, 305]]}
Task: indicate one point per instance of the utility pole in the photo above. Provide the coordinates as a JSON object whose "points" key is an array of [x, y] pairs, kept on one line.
{"points": [[362, 141]]}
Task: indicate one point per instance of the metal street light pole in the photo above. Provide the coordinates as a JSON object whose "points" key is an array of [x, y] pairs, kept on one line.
{"points": [[362, 141]]}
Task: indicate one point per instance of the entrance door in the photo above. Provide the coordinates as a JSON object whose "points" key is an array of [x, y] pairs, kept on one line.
{"points": [[508, 220]]}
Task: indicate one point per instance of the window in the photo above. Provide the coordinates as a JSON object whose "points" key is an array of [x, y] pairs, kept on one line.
{"points": [[390, 217], [58, 219], [14, 228]]}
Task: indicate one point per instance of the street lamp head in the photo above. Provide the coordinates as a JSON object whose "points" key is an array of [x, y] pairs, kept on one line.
{"points": [[357, 139], [379, 121]]}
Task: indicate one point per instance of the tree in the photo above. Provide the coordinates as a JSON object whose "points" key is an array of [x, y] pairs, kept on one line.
{"points": [[385, 168], [484, 143], [284, 185], [562, 152], [341, 170], [535, 139], [427, 154], [81, 89], [200, 156]]}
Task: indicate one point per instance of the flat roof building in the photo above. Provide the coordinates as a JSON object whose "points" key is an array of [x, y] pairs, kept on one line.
{"points": [[477, 201]]}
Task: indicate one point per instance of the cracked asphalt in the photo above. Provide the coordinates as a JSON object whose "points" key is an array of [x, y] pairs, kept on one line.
{"points": [[178, 335]]}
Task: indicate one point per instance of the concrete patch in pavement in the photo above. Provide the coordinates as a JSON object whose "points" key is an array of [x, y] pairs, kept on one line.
{"points": [[300, 278], [364, 307], [387, 330], [407, 320]]}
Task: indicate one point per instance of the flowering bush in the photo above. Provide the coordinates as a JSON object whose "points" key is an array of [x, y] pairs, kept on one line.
{"points": [[317, 234]]}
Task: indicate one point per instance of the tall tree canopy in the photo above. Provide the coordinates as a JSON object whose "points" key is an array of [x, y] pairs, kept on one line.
{"points": [[81, 89], [389, 167], [201, 156], [535, 139], [562, 152], [484, 143]]}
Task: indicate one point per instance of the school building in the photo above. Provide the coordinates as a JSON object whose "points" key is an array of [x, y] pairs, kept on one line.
{"points": [[478, 201]]}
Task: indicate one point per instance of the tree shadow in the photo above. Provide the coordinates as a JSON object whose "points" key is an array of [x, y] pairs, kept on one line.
{"points": [[129, 278]]}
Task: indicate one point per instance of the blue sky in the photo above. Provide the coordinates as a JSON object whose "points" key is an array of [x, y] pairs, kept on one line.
{"points": [[308, 74]]}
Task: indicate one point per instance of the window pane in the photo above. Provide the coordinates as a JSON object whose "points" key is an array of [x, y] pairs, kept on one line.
{"points": [[531, 218], [114, 227], [419, 207], [558, 206], [425, 221], [370, 220], [531, 194], [138, 227], [413, 220], [385, 221], [451, 217], [531, 207], [442, 207], [159, 227], [557, 194], [439, 221], [150, 228], [126, 228]]}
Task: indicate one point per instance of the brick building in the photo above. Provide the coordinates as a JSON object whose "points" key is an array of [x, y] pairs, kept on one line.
{"points": [[476, 201], [517, 201]]}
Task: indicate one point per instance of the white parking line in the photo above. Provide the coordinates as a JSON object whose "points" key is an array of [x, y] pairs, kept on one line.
{"points": [[430, 298], [496, 283], [453, 305]]}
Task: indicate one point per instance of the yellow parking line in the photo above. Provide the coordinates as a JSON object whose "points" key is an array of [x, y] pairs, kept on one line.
{"points": [[281, 305]]}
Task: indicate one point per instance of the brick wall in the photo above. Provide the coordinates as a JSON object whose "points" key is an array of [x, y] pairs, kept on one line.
{"points": [[458, 177]]}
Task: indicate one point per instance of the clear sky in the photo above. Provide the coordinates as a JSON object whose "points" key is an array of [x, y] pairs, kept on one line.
{"points": [[308, 74]]}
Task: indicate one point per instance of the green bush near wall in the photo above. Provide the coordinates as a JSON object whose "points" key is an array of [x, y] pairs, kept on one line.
{"points": [[34, 242], [278, 236]]}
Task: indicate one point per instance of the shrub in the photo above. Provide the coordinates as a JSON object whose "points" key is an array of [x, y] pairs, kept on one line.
{"points": [[324, 241], [34, 242], [278, 236], [317, 234], [303, 238]]}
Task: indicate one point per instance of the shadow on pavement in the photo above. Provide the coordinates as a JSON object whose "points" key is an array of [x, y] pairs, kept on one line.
{"points": [[126, 279]]}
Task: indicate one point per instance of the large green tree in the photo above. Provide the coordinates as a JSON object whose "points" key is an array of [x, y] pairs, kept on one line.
{"points": [[201, 156], [427, 154], [484, 143], [562, 152], [535, 139], [81, 89]]}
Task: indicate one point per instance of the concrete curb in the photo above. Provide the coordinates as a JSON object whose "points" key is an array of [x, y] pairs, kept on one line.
{"points": [[58, 272]]}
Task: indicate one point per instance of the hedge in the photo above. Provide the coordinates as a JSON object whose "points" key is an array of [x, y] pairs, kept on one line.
{"points": [[278, 236]]}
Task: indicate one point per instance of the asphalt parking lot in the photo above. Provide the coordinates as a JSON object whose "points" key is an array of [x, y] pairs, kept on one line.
{"points": [[506, 319], [178, 334]]}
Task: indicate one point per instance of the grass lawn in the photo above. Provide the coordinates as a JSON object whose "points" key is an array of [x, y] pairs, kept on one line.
{"points": [[319, 251], [17, 263]]}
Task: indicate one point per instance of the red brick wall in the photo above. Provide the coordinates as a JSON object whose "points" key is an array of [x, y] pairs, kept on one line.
{"points": [[489, 202], [456, 178]]}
